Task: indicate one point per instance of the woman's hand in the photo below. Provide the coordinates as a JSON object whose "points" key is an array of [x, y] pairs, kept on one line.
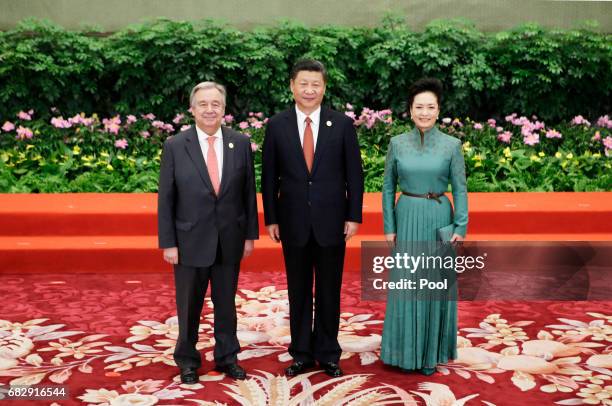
{"points": [[390, 237], [456, 237]]}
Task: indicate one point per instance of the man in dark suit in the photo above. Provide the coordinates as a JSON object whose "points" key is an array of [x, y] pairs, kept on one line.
{"points": [[312, 185], [207, 218]]}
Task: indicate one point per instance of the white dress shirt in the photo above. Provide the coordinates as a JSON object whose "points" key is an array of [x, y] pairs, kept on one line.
{"points": [[203, 139], [315, 116]]}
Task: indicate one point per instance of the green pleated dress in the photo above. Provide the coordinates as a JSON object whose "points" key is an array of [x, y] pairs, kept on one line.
{"points": [[421, 333]]}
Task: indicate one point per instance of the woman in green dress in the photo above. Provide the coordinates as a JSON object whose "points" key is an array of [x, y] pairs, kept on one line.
{"points": [[419, 334]]}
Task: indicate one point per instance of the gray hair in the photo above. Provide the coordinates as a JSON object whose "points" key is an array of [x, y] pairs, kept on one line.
{"points": [[207, 85]]}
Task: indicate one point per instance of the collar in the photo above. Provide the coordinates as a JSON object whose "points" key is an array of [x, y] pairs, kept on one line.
{"points": [[427, 133], [315, 116], [203, 137]]}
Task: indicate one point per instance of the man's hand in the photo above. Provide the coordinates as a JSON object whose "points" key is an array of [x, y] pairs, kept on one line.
{"points": [[248, 248], [350, 229], [273, 232], [171, 255]]}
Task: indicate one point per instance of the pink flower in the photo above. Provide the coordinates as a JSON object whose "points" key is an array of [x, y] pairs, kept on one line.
{"points": [[531, 139], [254, 147], [243, 125], [8, 126], [23, 133], [228, 118], [169, 128], [553, 134], [505, 137], [251, 114], [511, 117], [458, 123], [491, 122], [477, 126], [131, 119], [59, 122], [248, 134], [349, 107], [579, 120], [185, 127], [446, 120], [149, 116], [499, 129], [257, 124], [604, 122], [177, 119], [112, 125], [122, 143], [158, 124], [145, 134], [25, 116], [607, 142], [596, 137], [259, 114], [350, 114]]}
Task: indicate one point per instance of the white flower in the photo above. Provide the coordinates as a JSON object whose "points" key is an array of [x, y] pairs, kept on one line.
{"points": [[134, 399]]}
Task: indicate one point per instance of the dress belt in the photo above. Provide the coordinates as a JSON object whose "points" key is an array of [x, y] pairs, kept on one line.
{"points": [[430, 195]]}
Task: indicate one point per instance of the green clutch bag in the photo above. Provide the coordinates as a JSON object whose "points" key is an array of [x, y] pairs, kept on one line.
{"points": [[445, 233]]}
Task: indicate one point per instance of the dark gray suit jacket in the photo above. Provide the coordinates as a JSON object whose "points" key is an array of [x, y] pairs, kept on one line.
{"points": [[323, 200], [190, 216]]}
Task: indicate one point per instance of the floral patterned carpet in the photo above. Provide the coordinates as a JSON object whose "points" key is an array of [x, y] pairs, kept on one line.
{"points": [[110, 338]]}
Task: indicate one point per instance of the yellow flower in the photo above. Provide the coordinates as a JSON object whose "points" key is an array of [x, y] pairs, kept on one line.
{"points": [[535, 158], [76, 150], [502, 160], [558, 155], [569, 156], [507, 153], [563, 164], [104, 154], [4, 157], [596, 155], [466, 146], [109, 167], [29, 146], [541, 154], [120, 157], [477, 164], [86, 158], [477, 157]]}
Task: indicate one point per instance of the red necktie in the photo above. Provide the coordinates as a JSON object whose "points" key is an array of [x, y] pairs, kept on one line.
{"points": [[213, 166], [308, 145]]}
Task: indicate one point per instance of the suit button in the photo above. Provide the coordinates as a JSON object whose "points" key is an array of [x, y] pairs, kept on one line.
{"points": [[309, 202], [309, 182]]}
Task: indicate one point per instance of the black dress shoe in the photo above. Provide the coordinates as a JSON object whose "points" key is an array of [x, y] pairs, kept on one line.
{"points": [[298, 367], [232, 370], [332, 369], [189, 375]]}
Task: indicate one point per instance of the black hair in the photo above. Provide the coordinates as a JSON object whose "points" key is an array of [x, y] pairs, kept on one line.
{"points": [[425, 85], [310, 65]]}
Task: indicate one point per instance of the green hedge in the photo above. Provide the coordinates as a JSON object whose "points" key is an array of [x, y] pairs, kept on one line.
{"points": [[150, 68]]}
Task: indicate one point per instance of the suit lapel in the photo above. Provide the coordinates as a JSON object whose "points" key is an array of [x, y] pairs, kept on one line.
{"points": [[322, 137], [294, 137], [195, 153], [228, 159]]}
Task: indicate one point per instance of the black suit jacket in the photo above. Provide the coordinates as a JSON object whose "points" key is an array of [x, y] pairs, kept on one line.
{"points": [[322, 201], [190, 215]]}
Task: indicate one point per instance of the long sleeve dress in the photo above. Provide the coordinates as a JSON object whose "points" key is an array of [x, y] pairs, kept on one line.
{"points": [[421, 333]]}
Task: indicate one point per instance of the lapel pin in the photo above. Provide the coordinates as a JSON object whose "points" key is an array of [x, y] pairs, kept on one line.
{"points": [[231, 145], [329, 123]]}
